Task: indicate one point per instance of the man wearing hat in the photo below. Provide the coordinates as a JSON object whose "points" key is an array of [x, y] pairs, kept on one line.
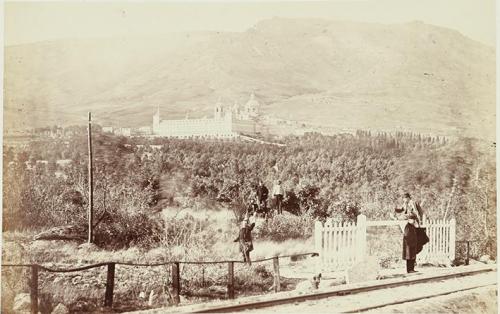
{"points": [[245, 238], [410, 243], [409, 207]]}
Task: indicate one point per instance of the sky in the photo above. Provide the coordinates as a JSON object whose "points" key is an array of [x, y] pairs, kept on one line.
{"points": [[35, 21]]}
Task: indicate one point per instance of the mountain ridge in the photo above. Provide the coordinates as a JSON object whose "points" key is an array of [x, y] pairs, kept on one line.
{"points": [[346, 74]]}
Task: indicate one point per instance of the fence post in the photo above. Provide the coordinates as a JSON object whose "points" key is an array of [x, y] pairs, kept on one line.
{"points": [[360, 238], [276, 266], [230, 280], [176, 283], [34, 289], [110, 285], [452, 238], [318, 239], [467, 258]]}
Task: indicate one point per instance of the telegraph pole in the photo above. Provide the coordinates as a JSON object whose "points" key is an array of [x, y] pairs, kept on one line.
{"points": [[91, 184]]}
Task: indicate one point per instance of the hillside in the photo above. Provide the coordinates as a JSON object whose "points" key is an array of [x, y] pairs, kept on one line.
{"points": [[407, 76]]}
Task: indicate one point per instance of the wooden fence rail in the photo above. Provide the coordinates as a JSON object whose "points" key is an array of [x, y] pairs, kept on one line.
{"points": [[176, 278]]}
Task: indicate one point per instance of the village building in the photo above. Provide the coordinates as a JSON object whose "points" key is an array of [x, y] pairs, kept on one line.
{"points": [[107, 129]]}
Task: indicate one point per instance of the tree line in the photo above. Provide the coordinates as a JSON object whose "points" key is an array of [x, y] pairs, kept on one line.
{"points": [[323, 176]]}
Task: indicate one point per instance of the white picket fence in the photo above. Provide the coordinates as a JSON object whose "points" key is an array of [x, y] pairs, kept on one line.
{"points": [[342, 244], [441, 246]]}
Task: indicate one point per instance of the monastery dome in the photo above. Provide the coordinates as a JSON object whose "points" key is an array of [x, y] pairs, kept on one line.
{"points": [[252, 103]]}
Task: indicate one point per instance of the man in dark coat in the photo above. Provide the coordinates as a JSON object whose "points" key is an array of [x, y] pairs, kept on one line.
{"points": [[410, 243], [245, 239], [262, 195]]}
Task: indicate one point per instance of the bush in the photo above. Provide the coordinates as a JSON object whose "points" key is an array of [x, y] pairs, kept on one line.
{"points": [[129, 228], [287, 226]]}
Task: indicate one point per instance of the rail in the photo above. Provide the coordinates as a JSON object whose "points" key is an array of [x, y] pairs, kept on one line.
{"points": [[175, 268], [340, 291]]}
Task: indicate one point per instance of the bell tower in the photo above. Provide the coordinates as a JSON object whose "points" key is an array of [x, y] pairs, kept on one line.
{"points": [[219, 110]]}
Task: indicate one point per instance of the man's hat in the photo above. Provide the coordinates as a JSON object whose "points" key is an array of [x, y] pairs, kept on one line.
{"points": [[407, 195], [412, 216]]}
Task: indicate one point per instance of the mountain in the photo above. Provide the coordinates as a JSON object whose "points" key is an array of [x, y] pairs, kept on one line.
{"points": [[411, 76]]}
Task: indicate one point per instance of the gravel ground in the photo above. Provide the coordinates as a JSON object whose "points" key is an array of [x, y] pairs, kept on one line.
{"points": [[367, 300], [479, 300], [482, 300]]}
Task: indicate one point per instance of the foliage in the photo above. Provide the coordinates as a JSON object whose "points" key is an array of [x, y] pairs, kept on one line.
{"points": [[337, 176], [283, 227]]}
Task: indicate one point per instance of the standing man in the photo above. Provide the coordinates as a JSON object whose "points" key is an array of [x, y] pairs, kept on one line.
{"points": [[278, 195], [410, 243], [262, 195], [245, 238]]}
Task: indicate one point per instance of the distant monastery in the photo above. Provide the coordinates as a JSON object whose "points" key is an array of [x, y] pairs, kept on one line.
{"points": [[227, 123]]}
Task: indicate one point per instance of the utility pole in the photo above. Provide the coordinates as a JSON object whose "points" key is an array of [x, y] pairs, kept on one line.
{"points": [[91, 184]]}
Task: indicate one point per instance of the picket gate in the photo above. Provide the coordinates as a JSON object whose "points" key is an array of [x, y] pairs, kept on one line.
{"points": [[441, 246], [342, 244]]}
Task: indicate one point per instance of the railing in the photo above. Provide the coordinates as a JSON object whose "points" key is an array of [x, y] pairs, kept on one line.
{"points": [[176, 278]]}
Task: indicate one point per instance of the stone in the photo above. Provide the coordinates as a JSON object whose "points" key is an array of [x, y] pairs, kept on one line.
{"points": [[308, 285], [303, 286], [76, 280], [83, 305], [60, 309], [22, 303], [88, 247], [366, 270], [484, 259]]}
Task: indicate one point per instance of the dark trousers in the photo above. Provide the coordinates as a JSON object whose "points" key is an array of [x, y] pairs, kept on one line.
{"points": [[279, 200], [246, 258], [410, 265]]}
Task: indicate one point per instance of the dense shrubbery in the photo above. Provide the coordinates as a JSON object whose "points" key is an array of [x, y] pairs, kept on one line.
{"points": [[339, 176], [283, 227], [38, 196]]}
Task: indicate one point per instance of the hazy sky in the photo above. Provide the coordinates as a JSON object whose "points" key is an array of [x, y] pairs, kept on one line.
{"points": [[37, 21]]}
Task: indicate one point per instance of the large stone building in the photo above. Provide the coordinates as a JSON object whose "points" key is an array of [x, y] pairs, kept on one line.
{"points": [[226, 123]]}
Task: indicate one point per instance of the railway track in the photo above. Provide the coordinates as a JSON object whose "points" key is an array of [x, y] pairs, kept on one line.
{"points": [[281, 299], [351, 289]]}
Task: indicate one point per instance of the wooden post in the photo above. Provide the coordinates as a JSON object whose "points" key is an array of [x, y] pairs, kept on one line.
{"points": [[91, 185], [276, 266], [467, 258], [110, 285], [360, 238], [203, 277], [34, 289], [318, 239], [176, 283], [230, 280]]}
